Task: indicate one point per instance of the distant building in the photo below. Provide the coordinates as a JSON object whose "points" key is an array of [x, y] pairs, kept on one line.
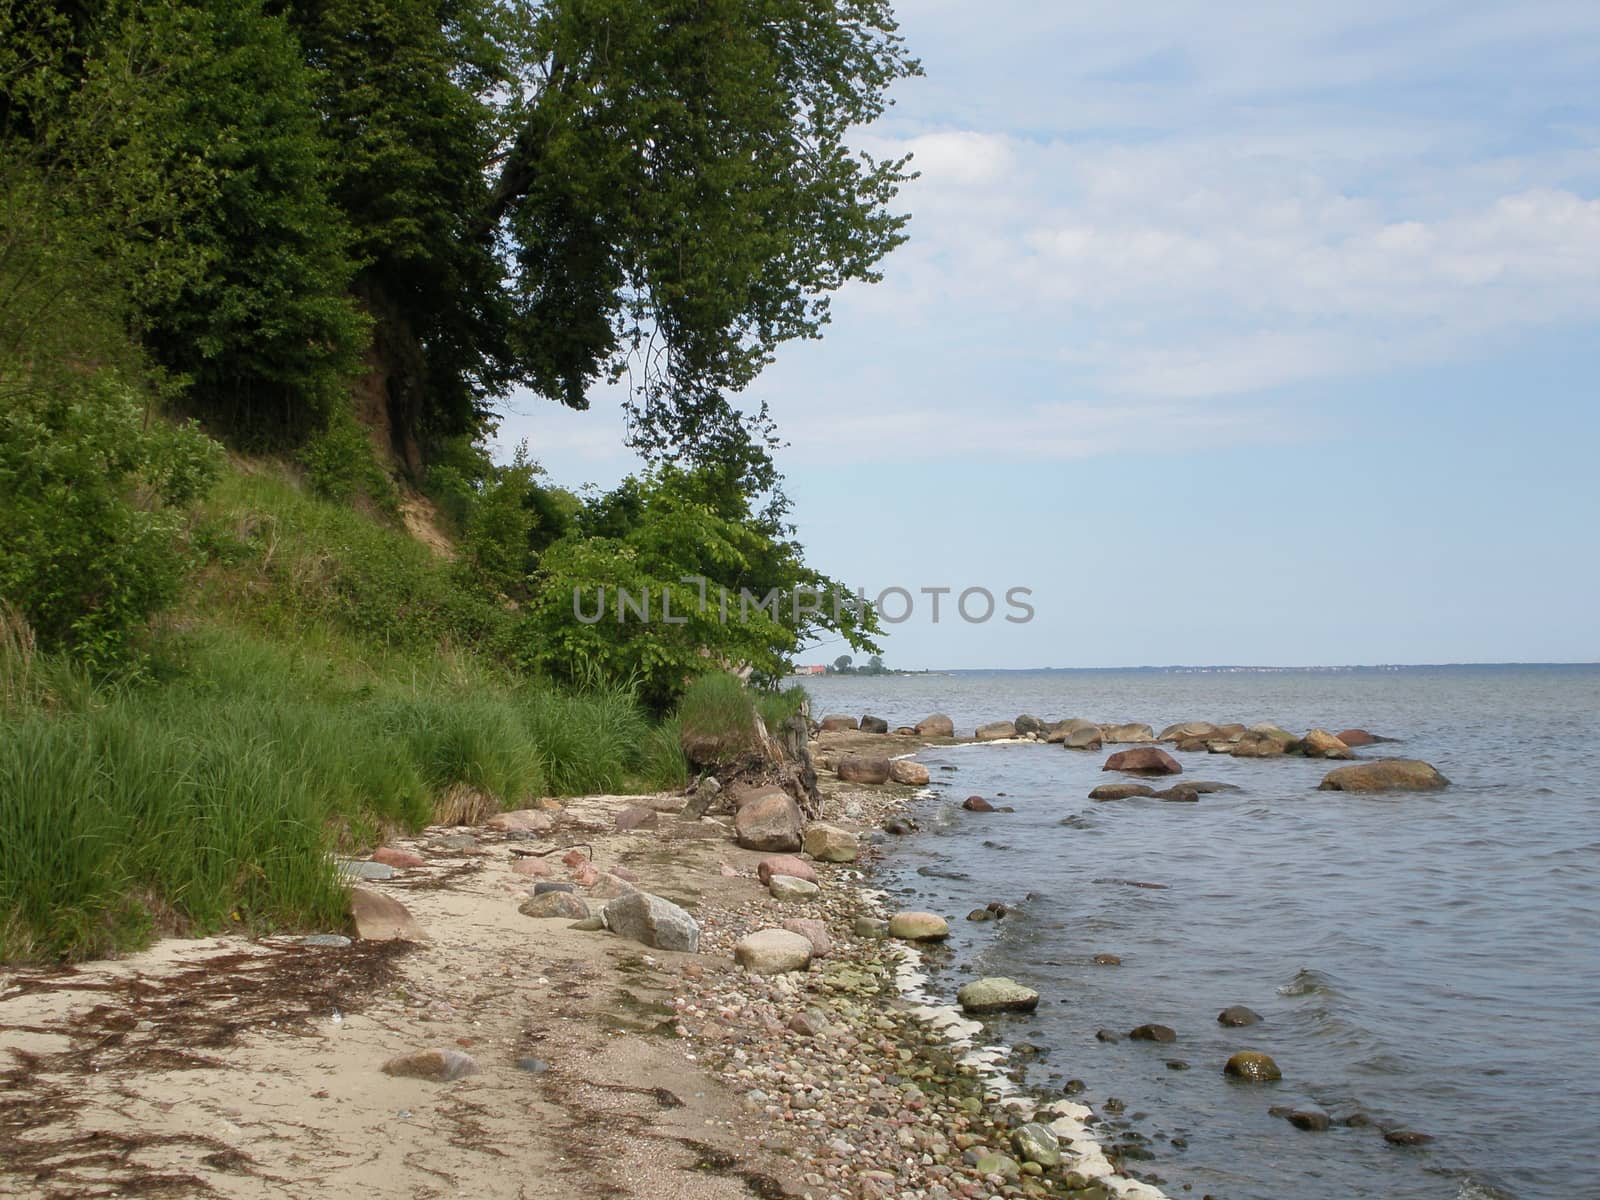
{"points": [[811, 670]]}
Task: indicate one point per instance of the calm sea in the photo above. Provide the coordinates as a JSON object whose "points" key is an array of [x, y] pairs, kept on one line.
{"points": [[1424, 961]]}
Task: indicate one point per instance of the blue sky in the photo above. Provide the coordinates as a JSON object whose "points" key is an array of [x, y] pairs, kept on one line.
{"points": [[1239, 333]]}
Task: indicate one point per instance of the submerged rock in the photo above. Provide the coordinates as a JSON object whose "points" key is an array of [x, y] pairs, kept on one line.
{"points": [[1153, 1033], [1360, 737], [1185, 793], [1237, 1015], [1121, 791], [977, 804], [997, 995], [1252, 1067], [1385, 775]]}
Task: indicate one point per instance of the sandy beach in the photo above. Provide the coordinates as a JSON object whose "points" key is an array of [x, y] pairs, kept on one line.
{"points": [[599, 1067]]}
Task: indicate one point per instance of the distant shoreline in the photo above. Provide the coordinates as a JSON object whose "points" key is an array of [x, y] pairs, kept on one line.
{"points": [[1225, 669]]}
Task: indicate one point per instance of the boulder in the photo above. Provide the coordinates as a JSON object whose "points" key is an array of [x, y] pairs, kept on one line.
{"points": [[829, 843], [436, 1066], [1121, 791], [997, 995], [1359, 737], [1183, 793], [522, 820], [1186, 730], [770, 821], [874, 725], [837, 723], [912, 774], [1058, 732], [1228, 732], [380, 918], [1083, 739], [814, 931], [904, 731], [1237, 1015], [1385, 775], [1145, 761], [1153, 1033], [1132, 732], [1206, 786], [785, 864], [936, 725], [554, 904], [977, 804], [870, 927], [652, 921], [1026, 724], [534, 867], [393, 856], [1319, 743], [995, 731], [609, 886], [861, 768], [1037, 1143], [787, 887], [1255, 744], [918, 927], [1252, 1067], [773, 951]]}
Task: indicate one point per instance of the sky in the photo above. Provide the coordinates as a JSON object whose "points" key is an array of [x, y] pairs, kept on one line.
{"points": [[1238, 334]]}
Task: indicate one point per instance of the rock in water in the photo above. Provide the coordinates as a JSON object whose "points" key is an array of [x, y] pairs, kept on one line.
{"points": [[997, 995], [862, 768], [382, 919], [1252, 1067], [874, 725], [1359, 737], [1385, 775], [555, 904], [1184, 793], [773, 951], [912, 774], [995, 731], [1319, 743], [936, 725], [1153, 1033], [837, 723], [1132, 732], [1186, 730], [1026, 724], [785, 864], [653, 921], [769, 820], [1121, 791], [786, 887], [1036, 1143], [1254, 744], [1310, 1120], [829, 843], [1236, 1015], [439, 1066], [977, 804], [1147, 760], [1082, 739], [918, 927]]}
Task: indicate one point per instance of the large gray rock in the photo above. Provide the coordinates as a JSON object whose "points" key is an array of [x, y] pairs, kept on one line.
{"points": [[936, 725], [1385, 775], [1319, 743], [919, 927], [1121, 791], [652, 921], [996, 731], [1146, 760], [1026, 724], [787, 887], [1037, 1143], [912, 774], [1185, 730], [837, 723], [1083, 738], [773, 951], [550, 905], [871, 724], [997, 995], [769, 820]]}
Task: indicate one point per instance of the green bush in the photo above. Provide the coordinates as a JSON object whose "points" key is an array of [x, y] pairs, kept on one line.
{"points": [[341, 464], [90, 493]]}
